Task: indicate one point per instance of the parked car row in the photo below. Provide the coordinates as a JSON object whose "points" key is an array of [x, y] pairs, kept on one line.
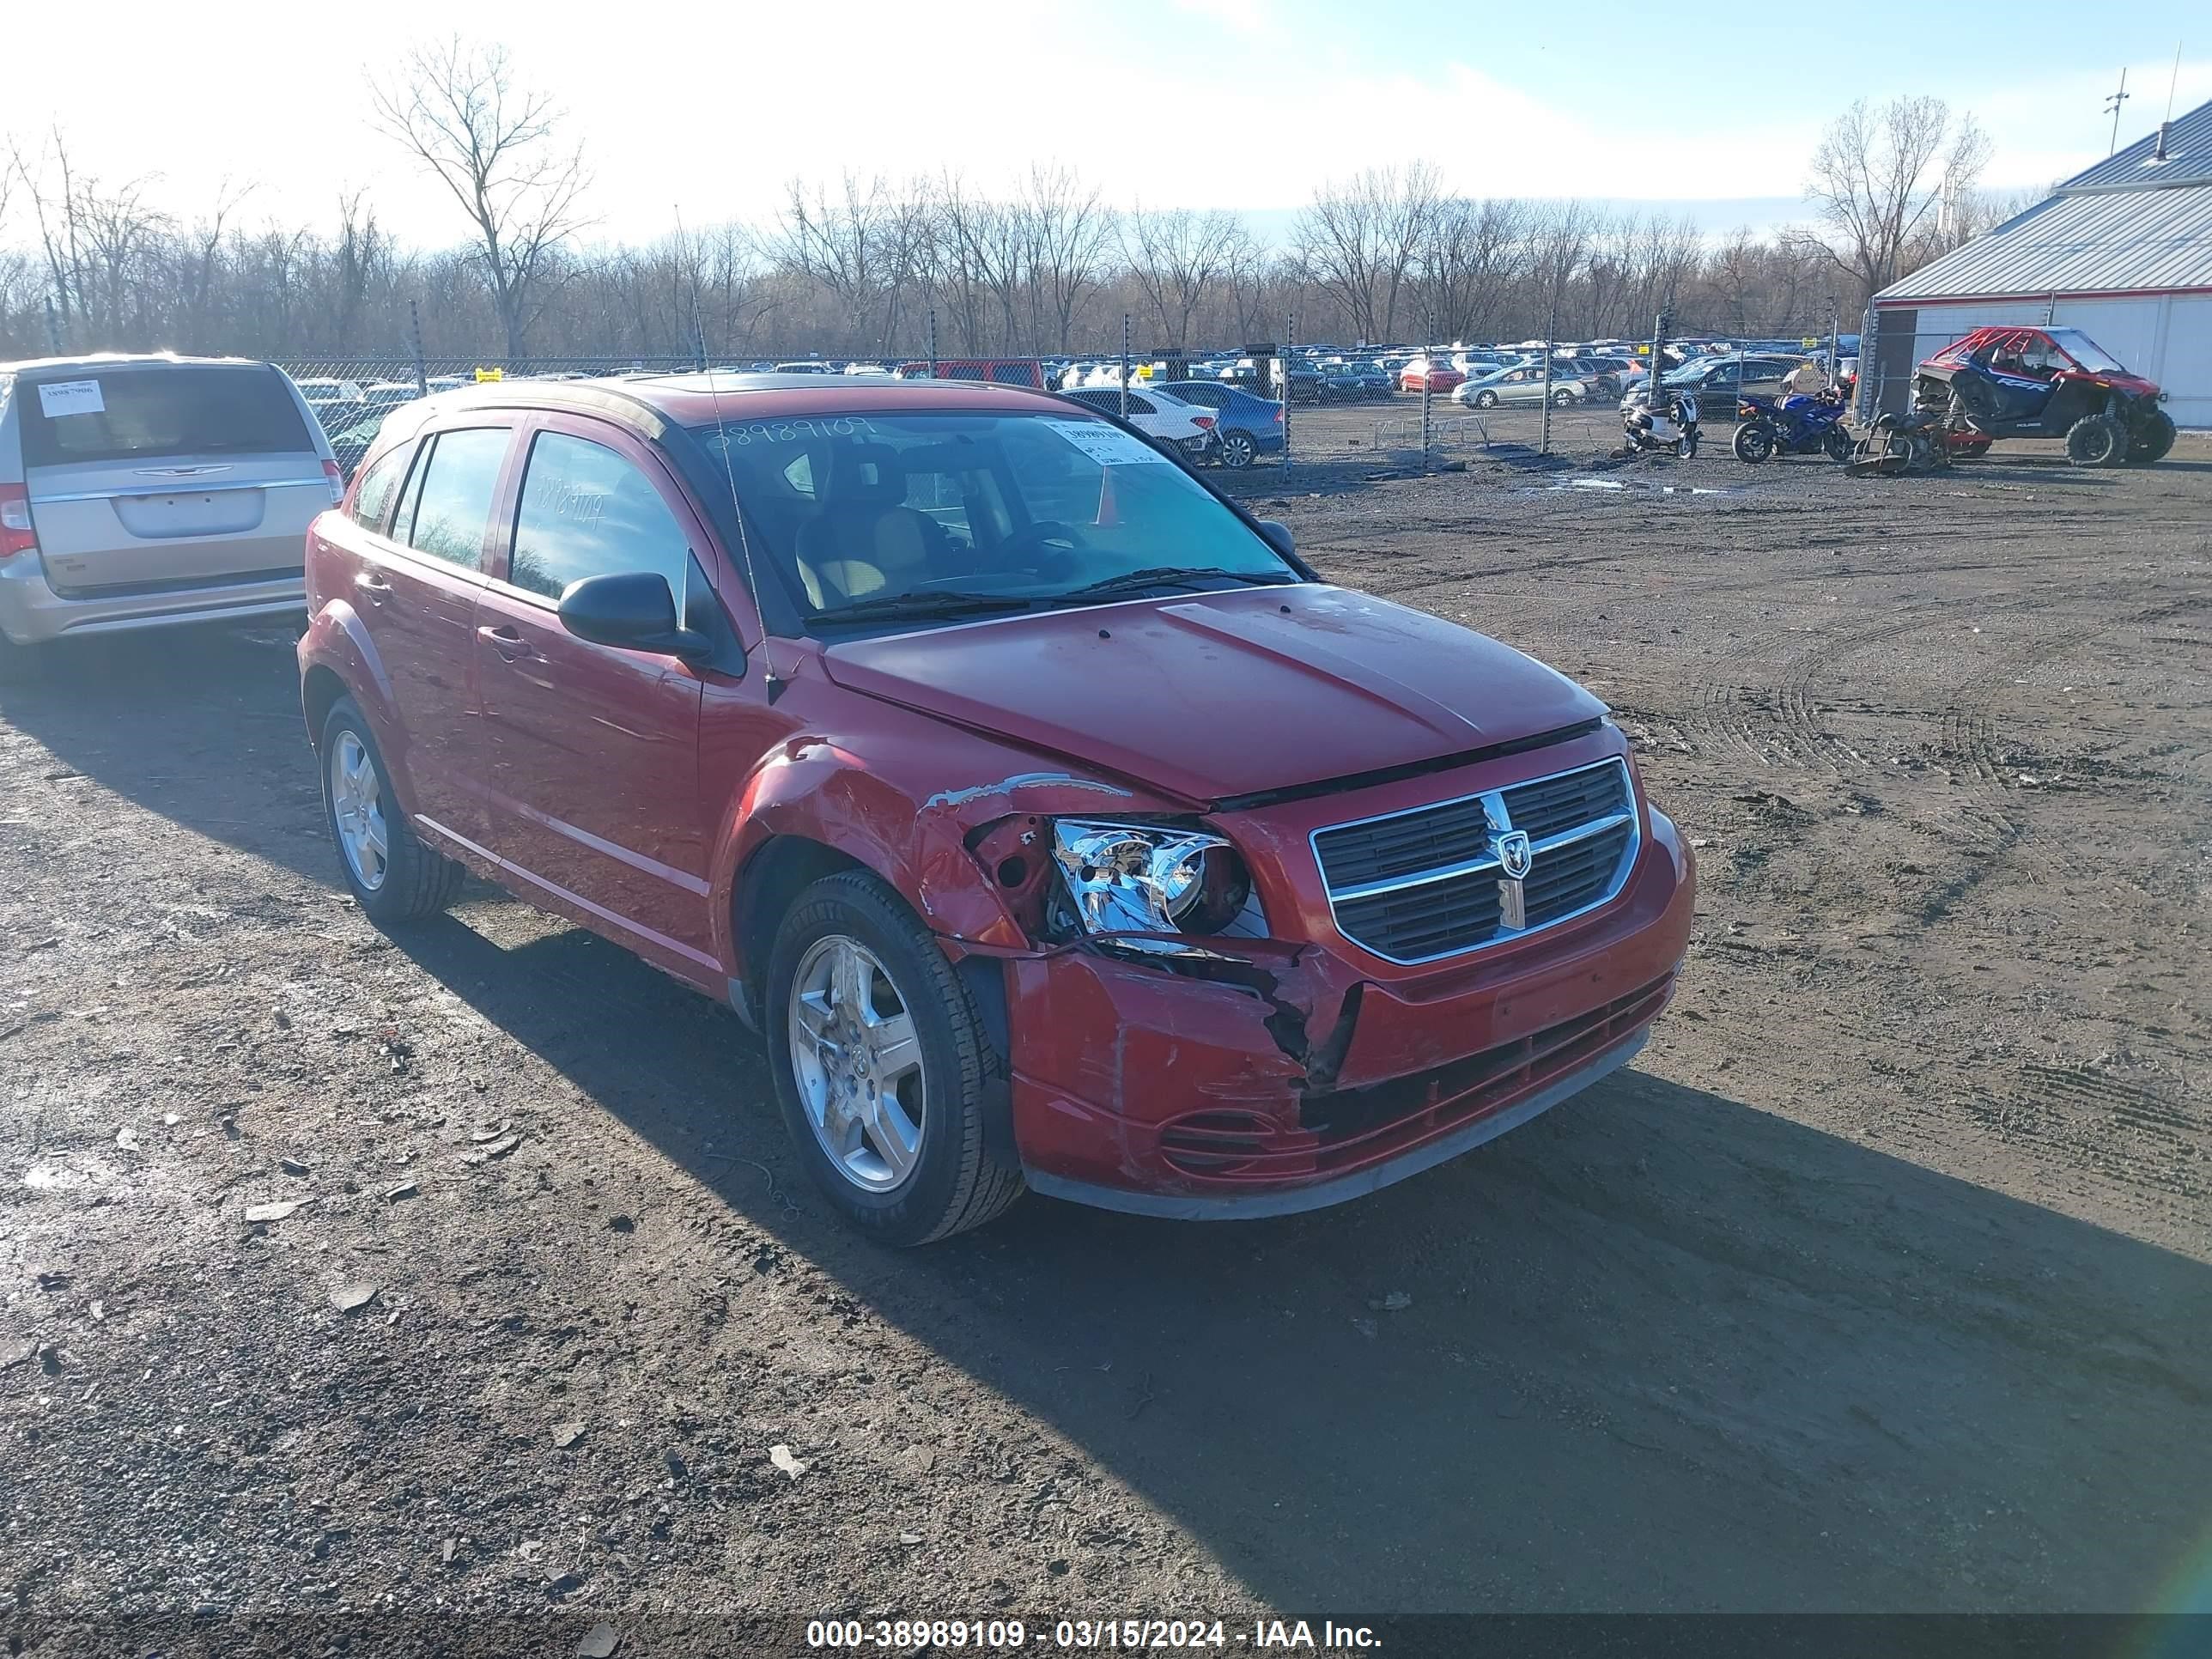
{"points": [[1208, 422]]}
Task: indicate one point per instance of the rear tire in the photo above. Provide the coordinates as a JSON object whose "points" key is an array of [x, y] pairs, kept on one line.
{"points": [[2096, 440], [1753, 442], [956, 1181], [413, 881], [1238, 449], [2152, 439]]}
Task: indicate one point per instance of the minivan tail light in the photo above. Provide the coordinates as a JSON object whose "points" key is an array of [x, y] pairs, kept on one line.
{"points": [[16, 535], [337, 482]]}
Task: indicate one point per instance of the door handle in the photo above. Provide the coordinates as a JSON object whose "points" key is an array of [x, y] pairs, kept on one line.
{"points": [[373, 588], [506, 640]]}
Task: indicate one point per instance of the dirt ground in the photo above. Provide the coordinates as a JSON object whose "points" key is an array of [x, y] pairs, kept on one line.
{"points": [[1883, 1280]]}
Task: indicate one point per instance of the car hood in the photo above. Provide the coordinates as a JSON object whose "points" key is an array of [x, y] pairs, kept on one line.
{"points": [[1217, 695]]}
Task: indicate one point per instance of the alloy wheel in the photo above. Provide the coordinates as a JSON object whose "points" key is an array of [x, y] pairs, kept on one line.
{"points": [[357, 809], [856, 1058]]}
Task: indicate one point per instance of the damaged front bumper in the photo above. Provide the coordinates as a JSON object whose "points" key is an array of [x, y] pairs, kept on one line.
{"points": [[1266, 1077]]}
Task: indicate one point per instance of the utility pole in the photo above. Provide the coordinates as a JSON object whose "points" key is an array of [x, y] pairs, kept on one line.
{"points": [[2112, 103], [1428, 388], [1125, 365], [1551, 360], [414, 338]]}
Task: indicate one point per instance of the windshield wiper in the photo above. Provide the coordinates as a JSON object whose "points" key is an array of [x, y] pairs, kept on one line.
{"points": [[920, 602], [1163, 575]]}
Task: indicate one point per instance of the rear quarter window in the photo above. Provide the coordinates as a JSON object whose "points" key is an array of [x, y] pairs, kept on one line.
{"points": [[146, 412], [372, 497]]}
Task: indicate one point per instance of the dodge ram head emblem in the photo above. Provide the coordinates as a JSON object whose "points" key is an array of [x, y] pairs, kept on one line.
{"points": [[1513, 853], [1511, 849]]}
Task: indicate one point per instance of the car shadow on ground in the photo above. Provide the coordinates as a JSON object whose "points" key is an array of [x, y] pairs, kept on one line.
{"points": [[201, 725], [1656, 1350]]}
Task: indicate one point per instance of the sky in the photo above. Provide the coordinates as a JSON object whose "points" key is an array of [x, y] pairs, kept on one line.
{"points": [[709, 110]]}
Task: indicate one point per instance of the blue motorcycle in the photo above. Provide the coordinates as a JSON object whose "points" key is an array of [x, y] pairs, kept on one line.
{"points": [[1791, 426]]}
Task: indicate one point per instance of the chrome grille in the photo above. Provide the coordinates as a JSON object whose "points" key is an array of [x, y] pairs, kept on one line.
{"points": [[1421, 885]]}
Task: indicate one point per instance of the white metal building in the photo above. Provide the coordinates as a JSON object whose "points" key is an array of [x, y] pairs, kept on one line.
{"points": [[2122, 253]]}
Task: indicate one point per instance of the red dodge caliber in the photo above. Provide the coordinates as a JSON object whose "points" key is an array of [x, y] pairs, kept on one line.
{"points": [[1055, 824]]}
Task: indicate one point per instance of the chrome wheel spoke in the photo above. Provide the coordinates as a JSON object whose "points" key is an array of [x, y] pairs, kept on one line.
{"points": [[896, 1139], [848, 978], [812, 1010], [894, 1046]]}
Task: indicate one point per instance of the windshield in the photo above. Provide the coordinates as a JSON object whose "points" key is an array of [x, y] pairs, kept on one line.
{"points": [[2085, 352], [855, 512]]}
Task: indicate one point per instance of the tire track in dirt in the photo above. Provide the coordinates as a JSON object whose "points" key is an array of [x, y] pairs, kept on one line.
{"points": [[1990, 773], [2121, 1131]]}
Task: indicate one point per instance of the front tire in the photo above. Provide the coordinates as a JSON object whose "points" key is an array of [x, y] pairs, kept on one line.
{"points": [[2096, 440], [1753, 442], [393, 876], [2152, 439], [882, 1066], [1835, 444], [1486, 400]]}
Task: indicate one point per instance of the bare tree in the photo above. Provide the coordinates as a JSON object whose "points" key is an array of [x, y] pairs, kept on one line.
{"points": [[839, 245], [1882, 177], [362, 249], [1069, 227], [1358, 240], [494, 145], [199, 271], [1177, 257]]}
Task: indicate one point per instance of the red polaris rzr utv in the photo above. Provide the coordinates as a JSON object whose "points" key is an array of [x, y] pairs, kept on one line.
{"points": [[2042, 383]]}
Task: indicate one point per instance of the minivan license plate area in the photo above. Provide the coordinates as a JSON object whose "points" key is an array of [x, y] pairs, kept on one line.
{"points": [[206, 513]]}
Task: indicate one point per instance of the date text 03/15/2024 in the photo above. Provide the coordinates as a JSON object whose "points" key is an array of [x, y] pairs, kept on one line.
{"points": [[1012, 1635]]}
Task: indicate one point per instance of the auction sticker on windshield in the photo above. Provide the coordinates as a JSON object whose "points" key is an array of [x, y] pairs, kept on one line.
{"points": [[1109, 445], [60, 397]]}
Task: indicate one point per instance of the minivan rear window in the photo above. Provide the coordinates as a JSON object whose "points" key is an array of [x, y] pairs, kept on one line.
{"points": [[159, 411]]}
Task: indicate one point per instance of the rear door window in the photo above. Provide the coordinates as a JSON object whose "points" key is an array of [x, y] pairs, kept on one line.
{"points": [[130, 414], [586, 511], [449, 500]]}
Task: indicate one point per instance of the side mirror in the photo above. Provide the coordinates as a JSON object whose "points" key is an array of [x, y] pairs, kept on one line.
{"points": [[631, 610], [1279, 537]]}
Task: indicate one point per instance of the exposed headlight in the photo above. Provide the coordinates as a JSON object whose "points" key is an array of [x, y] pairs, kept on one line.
{"points": [[1149, 878]]}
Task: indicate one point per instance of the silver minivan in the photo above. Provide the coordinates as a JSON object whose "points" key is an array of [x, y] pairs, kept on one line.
{"points": [[140, 491]]}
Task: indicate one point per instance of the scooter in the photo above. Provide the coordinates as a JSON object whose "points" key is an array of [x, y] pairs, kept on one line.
{"points": [[1651, 434], [1795, 425]]}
